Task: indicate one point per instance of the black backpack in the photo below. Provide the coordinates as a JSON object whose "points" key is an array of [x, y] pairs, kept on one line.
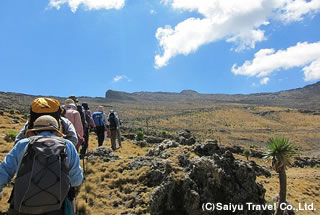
{"points": [[80, 109], [112, 121], [42, 181], [88, 118]]}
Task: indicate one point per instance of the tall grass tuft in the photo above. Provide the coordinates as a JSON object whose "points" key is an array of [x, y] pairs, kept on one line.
{"points": [[10, 136], [140, 135]]}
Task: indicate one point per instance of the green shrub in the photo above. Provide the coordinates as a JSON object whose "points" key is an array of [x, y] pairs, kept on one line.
{"points": [[12, 111], [139, 135], [163, 134], [1, 113], [247, 153], [10, 136], [122, 138]]}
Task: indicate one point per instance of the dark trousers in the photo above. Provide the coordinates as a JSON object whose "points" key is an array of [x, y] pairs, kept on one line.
{"points": [[100, 133], [115, 134], [84, 148]]}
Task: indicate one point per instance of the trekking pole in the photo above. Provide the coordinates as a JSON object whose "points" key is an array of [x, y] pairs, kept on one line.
{"points": [[84, 177], [82, 156]]}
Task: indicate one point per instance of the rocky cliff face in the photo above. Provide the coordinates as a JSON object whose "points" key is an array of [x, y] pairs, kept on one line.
{"points": [[214, 177]]}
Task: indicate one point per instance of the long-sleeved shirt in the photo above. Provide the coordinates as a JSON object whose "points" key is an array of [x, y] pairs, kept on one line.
{"points": [[11, 163], [74, 116], [68, 130]]}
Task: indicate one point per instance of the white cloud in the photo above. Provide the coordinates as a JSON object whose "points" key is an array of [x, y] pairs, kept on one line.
{"points": [[247, 39], [234, 21], [312, 72], [120, 77], [267, 61], [89, 4], [264, 81], [152, 12], [294, 10]]}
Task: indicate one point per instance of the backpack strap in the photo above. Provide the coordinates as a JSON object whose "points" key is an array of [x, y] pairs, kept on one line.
{"points": [[34, 139]]}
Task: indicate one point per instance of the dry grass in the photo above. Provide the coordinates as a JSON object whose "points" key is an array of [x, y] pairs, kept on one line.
{"points": [[244, 125], [303, 186], [8, 123], [111, 187]]}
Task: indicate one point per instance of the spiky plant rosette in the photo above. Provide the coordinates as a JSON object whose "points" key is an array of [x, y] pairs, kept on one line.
{"points": [[281, 152]]}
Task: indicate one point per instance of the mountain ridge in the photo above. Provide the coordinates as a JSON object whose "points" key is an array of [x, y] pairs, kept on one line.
{"points": [[307, 97]]}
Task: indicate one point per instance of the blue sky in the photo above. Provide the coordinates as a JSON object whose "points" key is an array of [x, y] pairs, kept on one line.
{"points": [[85, 47]]}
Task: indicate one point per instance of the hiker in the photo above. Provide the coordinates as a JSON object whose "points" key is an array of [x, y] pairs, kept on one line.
{"points": [[90, 124], [114, 127], [73, 115], [81, 111], [46, 168], [100, 120], [48, 106]]}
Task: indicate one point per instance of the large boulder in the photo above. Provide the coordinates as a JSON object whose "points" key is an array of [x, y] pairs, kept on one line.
{"points": [[186, 138], [209, 148]]}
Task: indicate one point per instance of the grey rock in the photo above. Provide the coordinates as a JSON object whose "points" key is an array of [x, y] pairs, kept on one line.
{"points": [[186, 134], [190, 141], [103, 153], [152, 162], [209, 148], [159, 150], [183, 160], [186, 138], [141, 143], [302, 162], [154, 140]]}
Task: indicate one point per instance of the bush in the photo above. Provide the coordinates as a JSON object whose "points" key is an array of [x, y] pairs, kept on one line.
{"points": [[164, 134], [247, 153], [122, 138], [139, 135], [1, 112], [10, 136], [12, 111]]}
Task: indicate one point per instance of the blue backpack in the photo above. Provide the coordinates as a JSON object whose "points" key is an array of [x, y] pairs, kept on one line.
{"points": [[97, 118]]}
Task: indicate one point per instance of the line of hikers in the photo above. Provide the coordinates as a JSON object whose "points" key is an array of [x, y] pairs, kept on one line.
{"points": [[45, 156]]}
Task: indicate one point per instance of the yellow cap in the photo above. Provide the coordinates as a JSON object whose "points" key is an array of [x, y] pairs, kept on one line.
{"points": [[45, 105]]}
